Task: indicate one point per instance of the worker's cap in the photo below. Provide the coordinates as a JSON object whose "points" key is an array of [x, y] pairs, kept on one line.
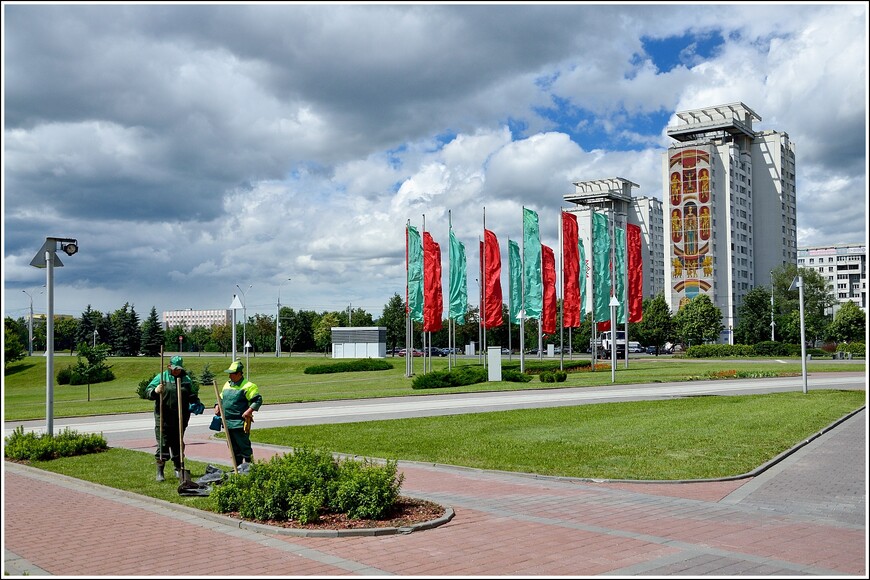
{"points": [[176, 362], [235, 367]]}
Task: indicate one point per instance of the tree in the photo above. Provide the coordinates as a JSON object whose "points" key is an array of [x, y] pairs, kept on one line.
{"points": [[126, 334], [13, 350], [152, 334], [698, 321], [753, 317], [657, 326], [817, 302], [323, 334], [88, 323], [222, 336], [65, 330], [850, 324], [393, 319]]}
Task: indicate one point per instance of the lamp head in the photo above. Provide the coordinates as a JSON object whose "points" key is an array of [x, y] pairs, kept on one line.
{"points": [[70, 248]]}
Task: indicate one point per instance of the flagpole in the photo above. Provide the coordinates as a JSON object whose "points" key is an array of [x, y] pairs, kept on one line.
{"points": [[562, 278], [449, 290], [625, 279], [407, 297], [424, 333], [483, 290], [523, 294], [594, 334], [510, 299]]}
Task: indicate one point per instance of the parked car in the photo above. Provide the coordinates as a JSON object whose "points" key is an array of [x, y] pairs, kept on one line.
{"points": [[652, 350], [417, 352], [634, 346]]}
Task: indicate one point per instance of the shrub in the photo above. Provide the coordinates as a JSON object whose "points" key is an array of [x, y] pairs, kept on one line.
{"points": [[364, 364], [364, 490], [64, 375], [514, 376], [28, 446], [855, 348], [306, 483]]}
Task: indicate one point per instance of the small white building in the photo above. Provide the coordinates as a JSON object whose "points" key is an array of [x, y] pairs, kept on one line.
{"points": [[359, 342]]}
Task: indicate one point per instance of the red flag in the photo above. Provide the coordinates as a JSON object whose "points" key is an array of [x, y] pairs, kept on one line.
{"points": [[548, 267], [433, 305], [570, 271], [635, 274], [492, 298]]}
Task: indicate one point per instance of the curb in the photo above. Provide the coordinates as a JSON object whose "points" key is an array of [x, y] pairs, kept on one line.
{"points": [[231, 521]]}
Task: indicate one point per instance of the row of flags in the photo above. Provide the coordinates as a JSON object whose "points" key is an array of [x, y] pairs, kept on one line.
{"points": [[616, 271]]}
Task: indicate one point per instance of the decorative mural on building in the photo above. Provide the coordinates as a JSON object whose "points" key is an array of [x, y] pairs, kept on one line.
{"points": [[690, 214]]}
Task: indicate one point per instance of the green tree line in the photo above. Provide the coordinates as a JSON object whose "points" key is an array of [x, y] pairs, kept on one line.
{"points": [[698, 322]]}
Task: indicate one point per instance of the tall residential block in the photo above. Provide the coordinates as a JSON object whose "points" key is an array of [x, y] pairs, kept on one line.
{"points": [[730, 208], [844, 266], [613, 197]]}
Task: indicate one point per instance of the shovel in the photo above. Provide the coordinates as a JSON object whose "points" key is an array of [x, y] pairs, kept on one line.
{"points": [[185, 474]]}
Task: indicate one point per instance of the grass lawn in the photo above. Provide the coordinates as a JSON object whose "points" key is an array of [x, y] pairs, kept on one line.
{"points": [[282, 380], [690, 438]]}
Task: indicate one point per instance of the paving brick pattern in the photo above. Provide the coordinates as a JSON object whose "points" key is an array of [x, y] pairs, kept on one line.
{"points": [[804, 516]]}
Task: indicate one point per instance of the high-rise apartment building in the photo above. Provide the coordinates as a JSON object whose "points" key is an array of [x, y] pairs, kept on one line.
{"points": [[730, 208], [613, 197], [844, 266]]}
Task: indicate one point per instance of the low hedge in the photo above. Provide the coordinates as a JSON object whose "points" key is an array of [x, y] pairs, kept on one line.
{"points": [[21, 446], [363, 364]]}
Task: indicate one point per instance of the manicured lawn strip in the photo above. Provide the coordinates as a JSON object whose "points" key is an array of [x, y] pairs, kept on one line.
{"points": [[131, 471], [691, 438], [282, 380]]}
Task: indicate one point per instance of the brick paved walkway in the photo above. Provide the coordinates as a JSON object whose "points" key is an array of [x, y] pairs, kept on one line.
{"points": [[805, 515]]}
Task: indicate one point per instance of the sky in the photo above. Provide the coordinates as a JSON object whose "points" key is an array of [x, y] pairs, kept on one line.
{"points": [[278, 151]]}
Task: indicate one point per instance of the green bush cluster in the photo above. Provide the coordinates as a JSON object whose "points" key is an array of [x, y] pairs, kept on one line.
{"points": [[464, 375], [553, 376], [766, 348], [363, 364], [29, 446], [302, 485], [538, 367], [856, 348], [78, 375]]}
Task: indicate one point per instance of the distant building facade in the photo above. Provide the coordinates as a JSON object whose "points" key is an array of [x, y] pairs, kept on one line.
{"points": [[613, 197], [190, 318], [844, 266], [730, 207]]}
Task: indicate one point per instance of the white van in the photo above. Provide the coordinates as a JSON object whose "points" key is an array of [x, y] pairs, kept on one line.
{"points": [[634, 346]]}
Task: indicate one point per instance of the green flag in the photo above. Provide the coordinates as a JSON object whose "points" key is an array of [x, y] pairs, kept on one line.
{"points": [[415, 274], [619, 274], [533, 285], [458, 281], [600, 267], [515, 281], [584, 269]]}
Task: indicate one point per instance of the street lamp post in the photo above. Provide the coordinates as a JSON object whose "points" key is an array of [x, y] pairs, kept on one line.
{"points": [[772, 323], [244, 316], [278, 322], [47, 258], [30, 325], [95, 337]]}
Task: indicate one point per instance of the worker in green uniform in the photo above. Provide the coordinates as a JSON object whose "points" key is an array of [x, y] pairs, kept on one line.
{"points": [[163, 386], [239, 398]]}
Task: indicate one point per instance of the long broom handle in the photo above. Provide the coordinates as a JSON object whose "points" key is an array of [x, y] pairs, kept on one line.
{"points": [[180, 424], [226, 431], [160, 416]]}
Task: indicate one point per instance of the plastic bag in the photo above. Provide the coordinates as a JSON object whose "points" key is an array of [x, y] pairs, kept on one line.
{"points": [[216, 423]]}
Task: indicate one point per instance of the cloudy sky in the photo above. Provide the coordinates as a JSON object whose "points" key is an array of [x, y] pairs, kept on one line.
{"points": [[193, 148]]}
